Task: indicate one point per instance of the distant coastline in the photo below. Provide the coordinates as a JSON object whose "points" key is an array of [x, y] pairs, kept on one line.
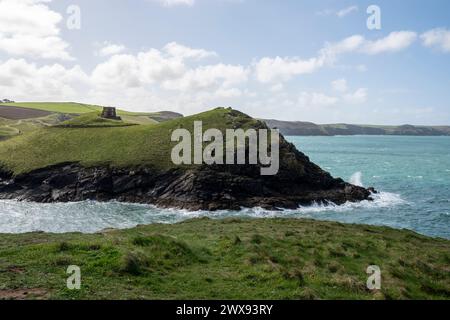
{"points": [[19, 117], [299, 128]]}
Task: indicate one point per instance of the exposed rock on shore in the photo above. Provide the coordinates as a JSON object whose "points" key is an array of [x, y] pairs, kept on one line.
{"points": [[298, 182]]}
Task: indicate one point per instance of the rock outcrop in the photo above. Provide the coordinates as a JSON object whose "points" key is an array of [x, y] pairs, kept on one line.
{"points": [[298, 182]]}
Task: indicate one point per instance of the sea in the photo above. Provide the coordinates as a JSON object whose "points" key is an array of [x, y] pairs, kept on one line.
{"points": [[411, 174]]}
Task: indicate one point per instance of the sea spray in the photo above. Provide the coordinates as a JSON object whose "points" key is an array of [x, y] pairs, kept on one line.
{"points": [[356, 179]]}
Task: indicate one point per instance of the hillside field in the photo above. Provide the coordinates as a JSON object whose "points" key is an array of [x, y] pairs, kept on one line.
{"points": [[21, 117]]}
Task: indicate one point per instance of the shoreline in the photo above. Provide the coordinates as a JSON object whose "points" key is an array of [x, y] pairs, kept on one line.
{"points": [[212, 188], [173, 216]]}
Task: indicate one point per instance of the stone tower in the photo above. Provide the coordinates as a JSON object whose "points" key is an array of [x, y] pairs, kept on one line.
{"points": [[110, 113]]}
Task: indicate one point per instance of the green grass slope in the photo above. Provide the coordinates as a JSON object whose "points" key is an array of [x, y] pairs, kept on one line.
{"points": [[118, 146], [62, 110], [59, 107], [81, 108], [10, 128], [227, 259], [92, 120]]}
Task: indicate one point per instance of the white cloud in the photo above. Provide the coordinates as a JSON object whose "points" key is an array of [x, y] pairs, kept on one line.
{"points": [[168, 69], [315, 99], [166, 77], [339, 13], [395, 41], [177, 50], [30, 28], [346, 11], [108, 49], [151, 80], [204, 77], [310, 100], [277, 87], [331, 51], [172, 3], [177, 77], [283, 69], [120, 71], [339, 85], [325, 12], [357, 97], [27, 81], [228, 93], [438, 38], [280, 69]]}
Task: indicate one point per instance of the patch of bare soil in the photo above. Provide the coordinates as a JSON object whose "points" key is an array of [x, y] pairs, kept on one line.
{"points": [[23, 294], [17, 113], [15, 269]]}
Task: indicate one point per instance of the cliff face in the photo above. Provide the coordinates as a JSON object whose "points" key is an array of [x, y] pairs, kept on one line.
{"points": [[298, 182]]}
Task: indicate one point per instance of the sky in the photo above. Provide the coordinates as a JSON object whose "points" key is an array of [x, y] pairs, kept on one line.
{"points": [[293, 60]]}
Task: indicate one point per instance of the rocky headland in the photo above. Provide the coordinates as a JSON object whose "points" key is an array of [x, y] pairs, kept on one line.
{"points": [[202, 187]]}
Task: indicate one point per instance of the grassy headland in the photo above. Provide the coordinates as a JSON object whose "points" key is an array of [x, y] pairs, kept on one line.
{"points": [[228, 259], [299, 128], [115, 145]]}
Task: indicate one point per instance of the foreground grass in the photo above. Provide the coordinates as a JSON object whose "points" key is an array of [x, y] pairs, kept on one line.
{"points": [[227, 259], [120, 146]]}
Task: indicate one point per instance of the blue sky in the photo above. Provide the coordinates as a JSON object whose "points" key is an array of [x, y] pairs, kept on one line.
{"points": [[291, 60]]}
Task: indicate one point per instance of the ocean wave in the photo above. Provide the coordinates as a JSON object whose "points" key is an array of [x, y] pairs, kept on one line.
{"points": [[91, 216], [380, 200]]}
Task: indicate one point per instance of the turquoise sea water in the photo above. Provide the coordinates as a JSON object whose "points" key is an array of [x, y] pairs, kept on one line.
{"points": [[411, 173]]}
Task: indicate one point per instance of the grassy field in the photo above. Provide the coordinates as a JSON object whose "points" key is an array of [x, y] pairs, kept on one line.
{"points": [[59, 107], [10, 128], [227, 259], [73, 108], [127, 146], [92, 120]]}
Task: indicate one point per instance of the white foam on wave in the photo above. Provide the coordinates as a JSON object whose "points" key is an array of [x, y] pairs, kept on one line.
{"points": [[380, 200], [91, 216]]}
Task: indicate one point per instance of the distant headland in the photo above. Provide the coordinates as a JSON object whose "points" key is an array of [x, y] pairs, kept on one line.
{"points": [[299, 128]]}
